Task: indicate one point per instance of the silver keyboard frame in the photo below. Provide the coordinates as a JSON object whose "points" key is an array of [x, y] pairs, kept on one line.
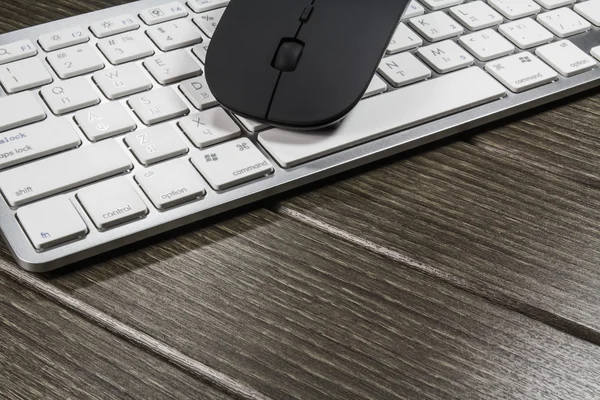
{"points": [[281, 180]]}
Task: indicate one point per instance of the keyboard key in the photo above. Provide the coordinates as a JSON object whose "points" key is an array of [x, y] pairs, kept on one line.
{"points": [[379, 116], [476, 15], [589, 10], [200, 50], [164, 13], [526, 33], [487, 44], [112, 203], [125, 47], [36, 141], [51, 222], [174, 35], [172, 67], [377, 86], [62, 172], [156, 144], [404, 39], [522, 71], [251, 125], [566, 58], [564, 22], [197, 92], [596, 52], [403, 69], [104, 121], [171, 184], [515, 9], [65, 38], [550, 4], [114, 26], [158, 106], [208, 21], [122, 81], [75, 61], [199, 6], [232, 163], [22, 75], [209, 127], [436, 26], [445, 56], [16, 51], [67, 96], [20, 109], [414, 9], [440, 4]]}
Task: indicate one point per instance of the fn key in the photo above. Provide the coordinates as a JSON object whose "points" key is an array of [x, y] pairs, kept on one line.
{"points": [[51, 222]]}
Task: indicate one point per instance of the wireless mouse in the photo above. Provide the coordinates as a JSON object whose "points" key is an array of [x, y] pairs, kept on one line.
{"points": [[300, 64]]}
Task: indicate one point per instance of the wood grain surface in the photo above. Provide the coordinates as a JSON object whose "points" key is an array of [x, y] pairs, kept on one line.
{"points": [[296, 313], [520, 235], [364, 288], [48, 353], [564, 140]]}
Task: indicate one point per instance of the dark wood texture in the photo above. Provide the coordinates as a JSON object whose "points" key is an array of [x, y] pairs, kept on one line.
{"points": [[363, 298], [19, 14], [47, 352], [520, 235], [564, 140], [296, 313]]}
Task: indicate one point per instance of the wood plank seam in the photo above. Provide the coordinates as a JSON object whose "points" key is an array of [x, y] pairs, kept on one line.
{"points": [[144, 341], [473, 287]]}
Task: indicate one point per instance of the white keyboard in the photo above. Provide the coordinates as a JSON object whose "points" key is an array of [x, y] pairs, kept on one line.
{"points": [[109, 133]]}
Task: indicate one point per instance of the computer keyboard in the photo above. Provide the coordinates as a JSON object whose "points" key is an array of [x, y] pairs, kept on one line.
{"points": [[109, 133]]}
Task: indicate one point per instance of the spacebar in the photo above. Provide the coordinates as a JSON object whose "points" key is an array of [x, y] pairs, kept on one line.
{"points": [[63, 172], [385, 114]]}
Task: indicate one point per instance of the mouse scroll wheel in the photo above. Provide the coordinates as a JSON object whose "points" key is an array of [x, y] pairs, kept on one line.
{"points": [[288, 55]]}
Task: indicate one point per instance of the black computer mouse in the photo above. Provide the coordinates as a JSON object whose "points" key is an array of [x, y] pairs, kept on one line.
{"points": [[298, 64]]}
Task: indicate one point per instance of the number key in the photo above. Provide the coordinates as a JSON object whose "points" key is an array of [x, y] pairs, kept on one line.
{"points": [[75, 61], [23, 75], [174, 35]]}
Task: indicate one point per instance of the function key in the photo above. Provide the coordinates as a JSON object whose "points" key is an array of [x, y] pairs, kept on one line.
{"points": [[52, 222], [16, 51], [113, 26], [199, 6], [64, 38], [164, 13]]}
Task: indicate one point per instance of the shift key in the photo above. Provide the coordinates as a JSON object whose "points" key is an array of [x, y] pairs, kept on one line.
{"points": [[36, 141], [62, 172]]}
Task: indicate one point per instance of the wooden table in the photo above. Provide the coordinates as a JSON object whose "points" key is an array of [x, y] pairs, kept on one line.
{"points": [[468, 270]]}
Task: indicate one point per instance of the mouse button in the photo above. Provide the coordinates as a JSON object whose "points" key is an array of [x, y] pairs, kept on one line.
{"points": [[288, 55], [338, 62], [306, 14], [238, 64]]}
